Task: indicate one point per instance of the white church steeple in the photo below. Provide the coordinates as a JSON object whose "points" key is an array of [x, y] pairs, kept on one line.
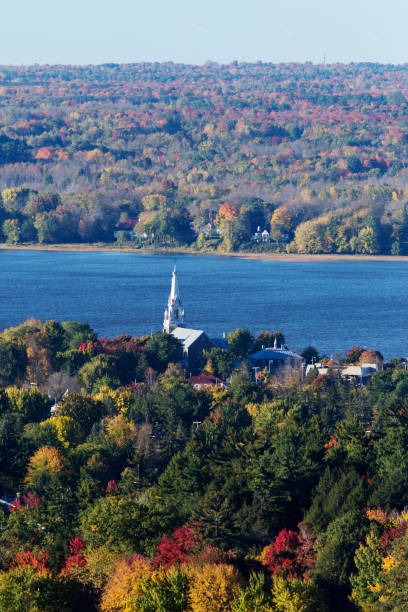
{"points": [[174, 313]]}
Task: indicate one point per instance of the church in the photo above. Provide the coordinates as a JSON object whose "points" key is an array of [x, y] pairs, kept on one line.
{"points": [[193, 341]]}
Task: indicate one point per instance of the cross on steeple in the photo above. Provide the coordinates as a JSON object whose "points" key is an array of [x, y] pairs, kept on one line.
{"points": [[174, 313]]}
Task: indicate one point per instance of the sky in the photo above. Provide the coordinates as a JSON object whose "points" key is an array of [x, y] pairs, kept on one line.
{"points": [[193, 32]]}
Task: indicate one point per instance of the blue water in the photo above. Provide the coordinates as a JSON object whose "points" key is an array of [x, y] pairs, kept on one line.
{"points": [[331, 305]]}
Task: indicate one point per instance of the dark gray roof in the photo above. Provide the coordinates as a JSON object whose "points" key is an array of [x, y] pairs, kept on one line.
{"points": [[221, 343], [273, 353]]}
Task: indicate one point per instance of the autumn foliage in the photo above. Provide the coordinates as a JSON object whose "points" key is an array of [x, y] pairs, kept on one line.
{"points": [[178, 548]]}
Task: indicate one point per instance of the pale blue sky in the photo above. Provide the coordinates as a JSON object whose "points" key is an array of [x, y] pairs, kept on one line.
{"points": [[191, 31]]}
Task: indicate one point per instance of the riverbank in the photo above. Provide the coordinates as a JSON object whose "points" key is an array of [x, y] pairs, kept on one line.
{"points": [[104, 247]]}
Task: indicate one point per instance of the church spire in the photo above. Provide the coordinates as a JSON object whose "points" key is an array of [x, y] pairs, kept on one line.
{"points": [[174, 313]]}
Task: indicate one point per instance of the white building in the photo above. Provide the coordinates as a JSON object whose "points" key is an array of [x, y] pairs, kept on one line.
{"points": [[359, 373], [174, 313], [193, 341]]}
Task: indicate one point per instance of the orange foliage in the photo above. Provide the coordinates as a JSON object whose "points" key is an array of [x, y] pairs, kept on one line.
{"points": [[124, 583], [281, 216], [28, 559], [44, 153], [227, 212]]}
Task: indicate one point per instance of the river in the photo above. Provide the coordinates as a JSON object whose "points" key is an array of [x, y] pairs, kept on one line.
{"points": [[332, 305]]}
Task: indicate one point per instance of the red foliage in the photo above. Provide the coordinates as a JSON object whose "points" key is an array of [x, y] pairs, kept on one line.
{"points": [[76, 559], [28, 559], [319, 381], [392, 534], [30, 501], [106, 346], [111, 488], [291, 554], [177, 548], [76, 545]]}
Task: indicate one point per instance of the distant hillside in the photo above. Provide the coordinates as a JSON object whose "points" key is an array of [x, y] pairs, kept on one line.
{"points": [[204, 155]]}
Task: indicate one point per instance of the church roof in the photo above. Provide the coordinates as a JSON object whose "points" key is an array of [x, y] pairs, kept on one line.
{"points": [[187, 336]]}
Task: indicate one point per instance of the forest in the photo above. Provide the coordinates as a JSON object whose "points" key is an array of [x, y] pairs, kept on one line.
{"points": [[200, 157], [125, 489]]}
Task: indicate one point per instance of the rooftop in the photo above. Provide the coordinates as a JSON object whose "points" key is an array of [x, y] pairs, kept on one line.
{"points": [[274, 353], [187, 336]]}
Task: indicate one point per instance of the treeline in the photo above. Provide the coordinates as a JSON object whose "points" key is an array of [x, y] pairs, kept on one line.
{"points": [[148, 495], [86, 151]]}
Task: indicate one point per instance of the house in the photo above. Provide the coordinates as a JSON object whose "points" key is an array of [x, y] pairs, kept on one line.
{"points": [[274, 358], [263, 236], [126, 227], [203, 381], [360, 374]]}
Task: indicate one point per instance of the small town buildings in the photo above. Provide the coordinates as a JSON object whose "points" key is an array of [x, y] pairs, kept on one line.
{"points": [[274, 358], [263, 236], [360, 374], [126, 229], [203, 381]]}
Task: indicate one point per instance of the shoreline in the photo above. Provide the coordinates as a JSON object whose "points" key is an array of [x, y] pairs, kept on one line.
{"points": [[295, 257]]}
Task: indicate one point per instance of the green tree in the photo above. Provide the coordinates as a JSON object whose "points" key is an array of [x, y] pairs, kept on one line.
{"points": [[336, 548], [11, 230], [99, 371], [268, 339], [310, 354], [162, 349], [13, 362], [368, 561], [240, 343], [76, 332], [25, 590], [83, 409], [163, 591], [48, 227], [122, 524]]}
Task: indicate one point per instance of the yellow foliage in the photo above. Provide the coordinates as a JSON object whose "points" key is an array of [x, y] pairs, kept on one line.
{"points": [[65, 427], [213, 587], [218, 395], [100, 563], [154, 201], [252, 409], [389, 562], [45, 461], [123, 401], [397, 195], [281, 216], [120, 399], [121, 430], [123, 586], [39, 367], [209, 367], [94, 154], [293, 595], [105, 393]]}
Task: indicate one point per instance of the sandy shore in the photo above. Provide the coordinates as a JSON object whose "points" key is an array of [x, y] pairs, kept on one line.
{"points": [[101, 247], [321, 257]]}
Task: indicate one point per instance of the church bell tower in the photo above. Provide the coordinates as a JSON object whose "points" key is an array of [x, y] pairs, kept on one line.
{"points": [[174, 313]]}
